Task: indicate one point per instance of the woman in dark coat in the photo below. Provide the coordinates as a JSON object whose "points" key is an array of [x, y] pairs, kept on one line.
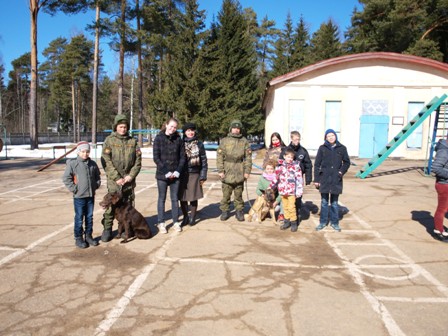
{"points": [[194, 174], [331, 164], [169, 157]]}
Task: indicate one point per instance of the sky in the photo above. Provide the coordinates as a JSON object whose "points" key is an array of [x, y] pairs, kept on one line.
{"points": [[15, 23]]}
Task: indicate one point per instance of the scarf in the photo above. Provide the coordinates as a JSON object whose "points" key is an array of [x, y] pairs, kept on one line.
{"points": [[269, 177], [276, 145], [192, 151]]}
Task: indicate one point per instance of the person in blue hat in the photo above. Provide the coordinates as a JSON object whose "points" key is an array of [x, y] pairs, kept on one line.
{"points": [[331, 164]]}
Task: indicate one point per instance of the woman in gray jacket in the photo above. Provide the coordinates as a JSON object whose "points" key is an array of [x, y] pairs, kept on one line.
{"points": [[82, 178]]}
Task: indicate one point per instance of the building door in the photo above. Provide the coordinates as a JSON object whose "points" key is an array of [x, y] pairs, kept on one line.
{"points": [[374, 127], [373, 135], [415, 139]]}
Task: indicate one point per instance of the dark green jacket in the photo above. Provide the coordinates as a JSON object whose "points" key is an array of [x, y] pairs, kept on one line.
{"points": [[121, 156], [234, 158]]}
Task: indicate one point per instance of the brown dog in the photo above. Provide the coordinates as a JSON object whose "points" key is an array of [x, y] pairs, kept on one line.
{"points": [[263, 205], [127, 217]]}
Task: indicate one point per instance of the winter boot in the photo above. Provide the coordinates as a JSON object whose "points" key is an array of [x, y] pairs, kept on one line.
{"points": [[106, 235], [239, 215], [294, 225], [184, 208], [286, 224], [193, 210], [90, 240], [225, 215], [79, 242]]}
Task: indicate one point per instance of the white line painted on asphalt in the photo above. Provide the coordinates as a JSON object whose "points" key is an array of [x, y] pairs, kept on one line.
{"points": [[121, 305], [247, 263], [34, 244], [6, 248], [19, 252], [38, 193], [27, 187], [376, 304], [406, 259], [123, 302], [412, 300]]}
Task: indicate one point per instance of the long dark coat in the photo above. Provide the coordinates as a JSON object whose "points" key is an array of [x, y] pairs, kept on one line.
{"points": [[330, 166]]}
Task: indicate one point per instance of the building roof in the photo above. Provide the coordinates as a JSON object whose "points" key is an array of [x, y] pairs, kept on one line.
{"points": [[375, 56]]}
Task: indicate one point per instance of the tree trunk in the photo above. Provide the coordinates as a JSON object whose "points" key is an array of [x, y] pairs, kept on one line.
{"points": [[78, 113], [95, 72], [34, 11], [139, 77], [74, 110], [121, 71]]}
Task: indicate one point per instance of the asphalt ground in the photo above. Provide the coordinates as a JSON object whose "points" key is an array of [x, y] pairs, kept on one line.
{"points": [[383, 274]]}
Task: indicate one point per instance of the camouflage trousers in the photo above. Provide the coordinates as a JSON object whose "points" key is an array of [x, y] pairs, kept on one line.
{"points": [[109, 214], [227, 190]]}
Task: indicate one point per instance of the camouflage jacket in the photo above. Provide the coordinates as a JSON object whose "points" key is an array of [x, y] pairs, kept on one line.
{"points": [[234, 158], [121, 156]]}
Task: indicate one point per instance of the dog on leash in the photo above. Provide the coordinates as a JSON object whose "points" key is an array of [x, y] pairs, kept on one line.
{"points": [[127, 216], [262, 206]]}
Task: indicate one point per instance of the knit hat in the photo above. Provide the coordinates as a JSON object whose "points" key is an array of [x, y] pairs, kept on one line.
{"points": [[83, 146], [120, 119], [328, 131], [189, 126], [236, 124]]}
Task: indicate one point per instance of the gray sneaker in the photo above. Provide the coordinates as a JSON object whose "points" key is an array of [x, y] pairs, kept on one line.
{"points": [[336, 227], [162, 227], [177, 227], [320, 227]]}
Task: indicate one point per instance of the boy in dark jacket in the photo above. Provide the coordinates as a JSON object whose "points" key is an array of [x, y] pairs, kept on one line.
{"points": [[331, 164], [82, 178]]}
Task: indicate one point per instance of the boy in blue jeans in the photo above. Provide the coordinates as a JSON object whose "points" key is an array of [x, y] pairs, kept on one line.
{"points": [[82, 178]]}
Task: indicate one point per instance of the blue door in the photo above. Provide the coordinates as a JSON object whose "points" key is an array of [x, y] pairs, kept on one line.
{"points": [[373, 135]]}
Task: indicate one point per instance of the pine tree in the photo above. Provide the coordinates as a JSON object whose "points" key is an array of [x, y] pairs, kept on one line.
{"points": [[180, 90], [76, 64], [284, 49], [266, 35], [56, 82], [300, 53], [236, 89], [325, 43], [415, 27]]}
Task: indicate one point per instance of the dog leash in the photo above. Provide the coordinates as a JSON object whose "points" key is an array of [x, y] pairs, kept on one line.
{"points": [[247, 193]]}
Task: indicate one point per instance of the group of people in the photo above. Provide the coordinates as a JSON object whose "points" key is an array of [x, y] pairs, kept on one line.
{"points": [[288, 168], [181, 166]]}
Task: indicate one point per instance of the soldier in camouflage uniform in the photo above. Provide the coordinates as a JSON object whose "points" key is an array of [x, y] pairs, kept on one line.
{"points": [[234, 163], [122, 160]]}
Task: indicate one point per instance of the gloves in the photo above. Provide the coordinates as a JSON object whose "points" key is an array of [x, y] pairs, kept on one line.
{"points": [[171, 175]]}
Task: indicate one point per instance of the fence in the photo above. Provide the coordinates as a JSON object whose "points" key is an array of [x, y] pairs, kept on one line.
{"points": [[24, 138]]}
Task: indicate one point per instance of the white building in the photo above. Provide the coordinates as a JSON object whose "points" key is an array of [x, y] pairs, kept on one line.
{"points": [[366, 98]]}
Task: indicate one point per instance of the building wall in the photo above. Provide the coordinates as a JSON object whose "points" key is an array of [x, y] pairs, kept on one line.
{"points": [[351, 85]]}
